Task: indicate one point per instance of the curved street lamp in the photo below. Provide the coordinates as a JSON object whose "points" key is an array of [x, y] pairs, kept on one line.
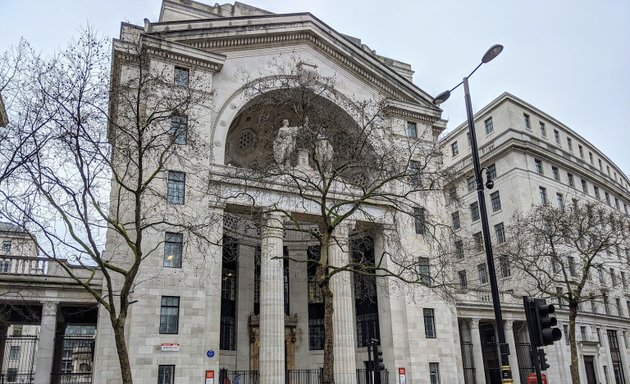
{"points": [[503, 347]]}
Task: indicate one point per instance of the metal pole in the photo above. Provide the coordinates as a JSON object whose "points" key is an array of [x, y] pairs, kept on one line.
{"points": [[504, 348]]}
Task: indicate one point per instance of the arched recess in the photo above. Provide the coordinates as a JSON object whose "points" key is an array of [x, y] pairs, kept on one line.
{"points": [[249, 120]]}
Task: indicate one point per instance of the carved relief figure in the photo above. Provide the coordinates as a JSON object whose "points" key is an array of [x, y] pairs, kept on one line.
{"points": [[324, 152]]}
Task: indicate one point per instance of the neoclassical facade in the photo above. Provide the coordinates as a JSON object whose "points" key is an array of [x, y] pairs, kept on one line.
{"points": [[534, 159]]}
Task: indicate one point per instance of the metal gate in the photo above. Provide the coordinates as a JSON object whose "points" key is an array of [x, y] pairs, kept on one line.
{"points": [[18, 357], [525, 364], [468, 362], [75, 360]]}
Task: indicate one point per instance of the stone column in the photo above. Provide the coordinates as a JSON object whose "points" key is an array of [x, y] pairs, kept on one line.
{"points": [[509, 339], [46, 343], [343, 317], [271, 356], [475, 338]]}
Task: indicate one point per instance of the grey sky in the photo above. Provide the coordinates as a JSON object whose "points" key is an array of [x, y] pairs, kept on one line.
{"points": [[571, 59]]}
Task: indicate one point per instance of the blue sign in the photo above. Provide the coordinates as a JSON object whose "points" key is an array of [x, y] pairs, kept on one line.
{"points": [[210, 353]]}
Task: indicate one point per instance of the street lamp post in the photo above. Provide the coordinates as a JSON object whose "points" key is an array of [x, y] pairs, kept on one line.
{"points": [[504, 348]]}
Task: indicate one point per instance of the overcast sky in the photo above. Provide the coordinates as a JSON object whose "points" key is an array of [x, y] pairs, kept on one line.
{"points": [[570, 59]]}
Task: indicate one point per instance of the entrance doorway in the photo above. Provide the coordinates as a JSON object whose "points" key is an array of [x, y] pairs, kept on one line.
{"points": [[590, 370]]}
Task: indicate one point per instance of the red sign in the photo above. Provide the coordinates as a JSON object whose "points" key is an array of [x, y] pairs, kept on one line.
{"points": [[531, 378], [402, 377], [209, 377]]}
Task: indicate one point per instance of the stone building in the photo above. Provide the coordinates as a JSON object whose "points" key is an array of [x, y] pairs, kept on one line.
{"points": [[533, 159]]}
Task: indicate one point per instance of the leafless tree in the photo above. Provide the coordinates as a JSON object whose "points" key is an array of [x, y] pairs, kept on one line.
{"points": [[569, 254], [336, 161], [105, 143]]}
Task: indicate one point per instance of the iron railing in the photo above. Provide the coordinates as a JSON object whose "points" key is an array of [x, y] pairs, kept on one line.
{"points": [[18, 359], [468, 363], [293, 376], [363, 376], [74, 365]]}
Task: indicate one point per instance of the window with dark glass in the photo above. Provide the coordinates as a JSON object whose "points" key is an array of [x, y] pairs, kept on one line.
{"points": [[429, 323], [572, 270], [489, 125], [424, 270], [471, 182], [454, 148], [229, 278], [528, 123], [581, 150], [455, 219], [584, 186], [415, 173], [419, 220], [182, 76], [474, 211], [556, 172], [179, 129], [6, 247], [173, 249], [570, 144], [483, 273], [543, 130], [499, 230], [315, 302], [459, 249], [543, 195], [556, 135], [539, 166], [365, 298], [495, 200], [463, 280], [504, 263], [491, 172], [169, 315], [571, 181], [434, 373], [560, 199], [166, 374], [176, 187]]}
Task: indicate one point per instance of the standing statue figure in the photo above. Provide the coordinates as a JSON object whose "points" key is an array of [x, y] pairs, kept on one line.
{"points": [[324, 153], [284, 144]]}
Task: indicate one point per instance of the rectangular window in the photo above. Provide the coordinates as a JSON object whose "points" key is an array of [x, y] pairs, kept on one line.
{"points": [[571, 180], [504, 262], [613, 277], [454, 149], [584, 186], [556, 135], [583, 333], [455, 218], [619, 308], [543, 195], [424, 270], [12, 375], [491, 172], [169, 315], [483, 273], [459, 249], [624, 283], [495, 200], [478, 240], [539, 167], [415, 173], [434, 373], [600, 273], [499, 230], [173, 247], [572, 270], [581, 150], [182, 76], [560, 199], [463, 280], [555, 268], [6, 247], [176, 187], [566, 332], [528, 123], [489, 125], [543, 130], [596, 190], [559, 297], [412, 130], [14, 352], [556, 172], [468, 137], [570, 144], [471, 182], [607, 197], [590, 157], [429, 323], [419, 220], [599, 162], [166, 374], [179, 129], [474, 211]]}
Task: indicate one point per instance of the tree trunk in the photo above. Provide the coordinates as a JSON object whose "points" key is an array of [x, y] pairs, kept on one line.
{"points": [[329, 335], [121, 349], [575, 372]]}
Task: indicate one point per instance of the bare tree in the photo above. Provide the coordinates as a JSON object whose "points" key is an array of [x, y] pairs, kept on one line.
{"points": [[569, 253], [339, 161], [105, 149]]}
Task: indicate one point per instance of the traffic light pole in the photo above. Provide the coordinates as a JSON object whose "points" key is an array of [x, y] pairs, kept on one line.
{"points": [[503, 347], [533, 343]]}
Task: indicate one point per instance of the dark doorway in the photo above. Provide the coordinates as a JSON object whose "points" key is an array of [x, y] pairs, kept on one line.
{"points": [[590, 370], [490, 353]]}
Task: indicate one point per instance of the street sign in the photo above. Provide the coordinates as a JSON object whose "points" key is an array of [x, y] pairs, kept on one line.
{"points": [[209, 376], [210, 353], [169, 347], [402, 377]]}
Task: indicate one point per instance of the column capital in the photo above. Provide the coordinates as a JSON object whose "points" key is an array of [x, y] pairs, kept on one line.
{"points": [[49, 308], [272, 224], [474, 322]]}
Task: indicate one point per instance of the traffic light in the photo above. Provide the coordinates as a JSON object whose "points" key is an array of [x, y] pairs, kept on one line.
{"points": [[377, 361], [547, 333], [542, 358]]}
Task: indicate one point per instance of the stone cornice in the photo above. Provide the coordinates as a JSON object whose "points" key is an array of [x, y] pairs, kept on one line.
{"points": [[254, 32]]}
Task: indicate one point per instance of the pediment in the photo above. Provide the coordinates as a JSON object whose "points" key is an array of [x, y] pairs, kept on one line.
{"points": [[230, 34]]}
